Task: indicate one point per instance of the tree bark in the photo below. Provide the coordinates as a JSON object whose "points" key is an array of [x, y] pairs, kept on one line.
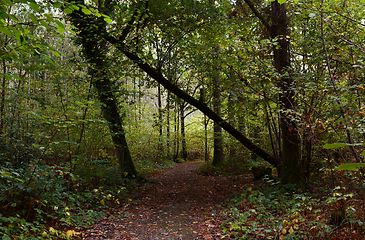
{"points": [[184, 151], [206, 122], [177, 135], [2, 103], [291, 144], [168, 125], [160, 129], [95, 49], [217, 129]]}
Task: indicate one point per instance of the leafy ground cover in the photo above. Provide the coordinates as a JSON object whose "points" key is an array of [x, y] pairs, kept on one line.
{"points": [[51, 202], [267, 211], [42, 197], [45, 201]]}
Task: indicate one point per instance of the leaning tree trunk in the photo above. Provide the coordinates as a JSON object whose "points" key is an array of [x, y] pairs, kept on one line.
{"points": [[194, 102], [157, 75], [291, 145], [95, 50]]}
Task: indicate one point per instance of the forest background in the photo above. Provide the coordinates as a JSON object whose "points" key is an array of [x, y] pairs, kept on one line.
{"points": [[96, 93]]}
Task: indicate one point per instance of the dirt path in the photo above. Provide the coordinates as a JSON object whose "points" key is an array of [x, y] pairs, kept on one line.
{"points": [[180, 204]]}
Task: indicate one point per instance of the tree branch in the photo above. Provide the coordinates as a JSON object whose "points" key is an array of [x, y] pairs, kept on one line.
{"points": [[258, 15], [191, 100]]}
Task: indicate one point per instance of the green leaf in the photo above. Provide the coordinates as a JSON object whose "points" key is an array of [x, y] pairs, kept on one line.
{"points": [[34, 18], [49, 17], [281, 1], [74, 7], [3, 15], [5, 174], [51, 61], [339, 145], [17, 34], [36, 52], [13, 17], [56, 54], [68, 10], [7, 2], [60, 24], [60, 27], [108, 20], [350, 166], [34, 6], [86, 11], [6, 31], [57, 5], [44, 24], [61, 30], [335, 145]]}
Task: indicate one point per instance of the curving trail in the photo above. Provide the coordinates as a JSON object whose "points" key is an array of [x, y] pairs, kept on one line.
{"points": [[180, 204]]}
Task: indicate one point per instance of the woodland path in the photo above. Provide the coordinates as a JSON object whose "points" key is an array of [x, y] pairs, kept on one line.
{"points": [[179, 204]]}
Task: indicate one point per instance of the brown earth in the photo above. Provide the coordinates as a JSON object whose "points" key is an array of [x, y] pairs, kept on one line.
{"points": [[179, 204]]}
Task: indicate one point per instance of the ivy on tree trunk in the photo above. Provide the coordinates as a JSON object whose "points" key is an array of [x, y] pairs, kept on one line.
{"points": [[95, 51]]}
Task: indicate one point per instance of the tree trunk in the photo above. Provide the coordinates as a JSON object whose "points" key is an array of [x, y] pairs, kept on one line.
{"points": [[184, 151], [177, 138], [231, 118], [206, 122], [168, 125], [291, 145], [206, 151], [95, 53], [217, 130], [2, 103], [160, 130]]}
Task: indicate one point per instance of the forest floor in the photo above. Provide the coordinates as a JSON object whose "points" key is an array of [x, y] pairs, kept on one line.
{"points": [[179, 204]]}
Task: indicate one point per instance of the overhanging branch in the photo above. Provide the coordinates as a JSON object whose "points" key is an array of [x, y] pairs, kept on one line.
{"points": [[191, 100]]}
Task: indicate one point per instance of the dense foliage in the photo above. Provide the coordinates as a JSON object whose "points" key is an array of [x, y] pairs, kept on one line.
{"points": [[284, 79]]}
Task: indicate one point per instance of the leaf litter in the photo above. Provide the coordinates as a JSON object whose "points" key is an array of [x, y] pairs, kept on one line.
{"points": [[179, 204]]}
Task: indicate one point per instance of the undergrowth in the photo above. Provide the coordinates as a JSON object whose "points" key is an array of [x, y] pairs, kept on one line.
{"points": [[229, 167], [150, 167], [280, 212], [40, 201]]}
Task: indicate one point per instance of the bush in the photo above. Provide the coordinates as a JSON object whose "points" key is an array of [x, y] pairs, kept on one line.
{"points": [[279, 212], [37, 199]]}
